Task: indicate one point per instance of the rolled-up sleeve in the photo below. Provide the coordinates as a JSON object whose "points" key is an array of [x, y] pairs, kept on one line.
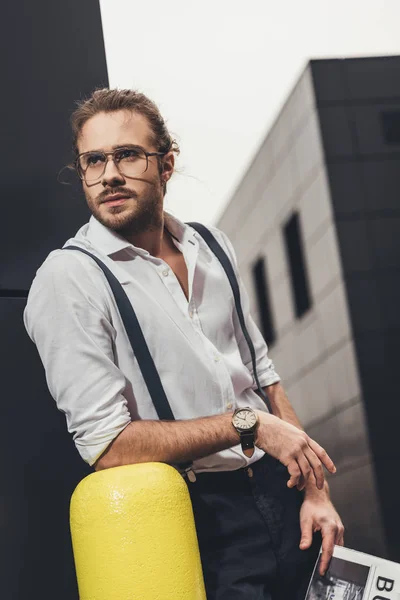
{"points": [[67, 317], [265, 368]]}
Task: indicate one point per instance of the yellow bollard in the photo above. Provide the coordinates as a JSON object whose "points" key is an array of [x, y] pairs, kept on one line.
{"points": [[133, 536]]}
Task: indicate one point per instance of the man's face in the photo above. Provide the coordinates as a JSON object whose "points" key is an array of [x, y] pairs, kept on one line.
{"points": [[140, 199]]}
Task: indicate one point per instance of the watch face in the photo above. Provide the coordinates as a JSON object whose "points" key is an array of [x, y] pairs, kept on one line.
{"points": [[244, 419]]}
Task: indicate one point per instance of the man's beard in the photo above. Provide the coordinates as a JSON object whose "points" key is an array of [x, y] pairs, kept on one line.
{"points": [[146, 214]]}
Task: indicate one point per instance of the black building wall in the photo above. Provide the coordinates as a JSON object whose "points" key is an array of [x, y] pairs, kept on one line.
{"points": [[359, 109], [52, 54]]}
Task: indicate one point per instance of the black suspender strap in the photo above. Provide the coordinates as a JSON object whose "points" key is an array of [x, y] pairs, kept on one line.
{"points": [[137, 340], [140, 350], [227, 266]]}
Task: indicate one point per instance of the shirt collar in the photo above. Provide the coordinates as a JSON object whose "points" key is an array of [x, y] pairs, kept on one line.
{"points": [[110, 242]]}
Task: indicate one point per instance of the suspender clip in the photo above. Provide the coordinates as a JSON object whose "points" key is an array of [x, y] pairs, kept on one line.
{"points": [[190, 474]]}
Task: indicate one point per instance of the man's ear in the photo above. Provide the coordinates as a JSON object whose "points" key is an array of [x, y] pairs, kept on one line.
{"points": [[167, 166]]}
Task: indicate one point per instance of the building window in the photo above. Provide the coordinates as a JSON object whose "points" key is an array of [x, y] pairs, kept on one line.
{"points": [[295, 255], [263, 301], [390, 120]]}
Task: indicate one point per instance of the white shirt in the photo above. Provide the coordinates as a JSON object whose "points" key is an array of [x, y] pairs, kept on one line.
{"points": [[197, 345]]}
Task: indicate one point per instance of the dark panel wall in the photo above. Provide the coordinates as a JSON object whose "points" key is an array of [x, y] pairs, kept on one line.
{"points": [[39, 470], [353, 97], [53, 54]]}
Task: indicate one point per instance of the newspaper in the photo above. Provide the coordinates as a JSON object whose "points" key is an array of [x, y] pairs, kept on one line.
{"points": [[354, 575]]}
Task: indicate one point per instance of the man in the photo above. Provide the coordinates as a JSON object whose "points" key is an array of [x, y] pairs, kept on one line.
{"points": [[258, 504]]}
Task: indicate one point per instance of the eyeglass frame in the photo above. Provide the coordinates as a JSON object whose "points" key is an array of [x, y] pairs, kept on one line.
{"points": [[82, 173]]}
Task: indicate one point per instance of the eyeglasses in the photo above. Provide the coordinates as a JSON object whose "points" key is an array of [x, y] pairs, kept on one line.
{"points": [[131, 161]]}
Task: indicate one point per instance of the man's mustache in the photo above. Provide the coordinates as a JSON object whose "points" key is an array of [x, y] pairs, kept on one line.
{"points": [[106, 193]]}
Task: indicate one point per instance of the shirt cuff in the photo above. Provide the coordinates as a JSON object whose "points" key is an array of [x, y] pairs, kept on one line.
{"points": [[266, 378], [91, 452]]}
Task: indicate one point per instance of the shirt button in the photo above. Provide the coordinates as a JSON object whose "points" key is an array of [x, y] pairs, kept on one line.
{"points": [[250, 472], [229, 405], [217, 358], [191, 314], [165, 272]]}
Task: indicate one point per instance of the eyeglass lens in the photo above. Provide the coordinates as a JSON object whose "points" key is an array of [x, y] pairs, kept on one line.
{"points": [[131, 162]]}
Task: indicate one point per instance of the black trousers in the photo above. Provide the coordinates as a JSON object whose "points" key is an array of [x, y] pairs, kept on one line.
{"points": [[248, 529]]}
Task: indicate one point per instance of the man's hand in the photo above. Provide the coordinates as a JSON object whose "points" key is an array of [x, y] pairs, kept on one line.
{"points": [[318, 514], [301, 455]]}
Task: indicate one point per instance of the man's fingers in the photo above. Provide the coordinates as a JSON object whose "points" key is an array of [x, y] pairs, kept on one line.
{"points": [[339, 541], [316, 466], [322, 455], [328, 542], [331, 534], [295, 474], [305, 469], [300, 470], [301, 484], [306, 534]]}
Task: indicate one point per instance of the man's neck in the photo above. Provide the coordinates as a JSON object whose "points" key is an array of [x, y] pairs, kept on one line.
{"points": [[157, 242]]}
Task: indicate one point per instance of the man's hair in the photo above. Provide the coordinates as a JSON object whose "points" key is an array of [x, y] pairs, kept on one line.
{"points": [[106, 100]]}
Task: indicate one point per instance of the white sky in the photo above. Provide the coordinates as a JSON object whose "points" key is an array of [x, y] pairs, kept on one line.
{"points": [[220, 71]]}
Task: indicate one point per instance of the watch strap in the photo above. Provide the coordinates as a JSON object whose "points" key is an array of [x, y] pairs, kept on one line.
{"points": [[247, 443]]}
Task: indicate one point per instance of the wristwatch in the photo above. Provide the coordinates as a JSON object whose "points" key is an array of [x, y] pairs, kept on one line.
{"points": [[245, 421]]}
